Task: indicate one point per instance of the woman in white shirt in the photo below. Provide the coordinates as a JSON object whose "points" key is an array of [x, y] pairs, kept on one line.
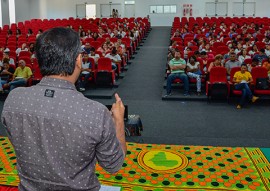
{"points": [[193, 71], [243, 55]]}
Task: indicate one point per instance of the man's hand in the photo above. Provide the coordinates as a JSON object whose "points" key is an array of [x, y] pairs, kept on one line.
{"points": [[118, 110]]}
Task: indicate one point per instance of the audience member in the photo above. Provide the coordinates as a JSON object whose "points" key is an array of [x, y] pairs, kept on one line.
{"points": [[85, 72], [103, 49], [243, 55], [177, 66], [217, 62], [6, 56], [87, 48], [233, 62], [241, 80], [260, 57], [94, 55], [266, 64], [6, 73], [20, 77], [267, 49], [115, 58], [204, 58], [23, 48], [193, 71], [254, 50]]}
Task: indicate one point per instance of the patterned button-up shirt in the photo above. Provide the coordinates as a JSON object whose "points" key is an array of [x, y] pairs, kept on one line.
{"points": [[58, 136]]}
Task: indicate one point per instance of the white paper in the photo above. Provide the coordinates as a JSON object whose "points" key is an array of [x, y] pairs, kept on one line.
{"points": [[109, 188]]}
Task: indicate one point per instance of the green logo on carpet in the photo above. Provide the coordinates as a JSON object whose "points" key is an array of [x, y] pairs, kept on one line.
{"points": [[160, 159]]}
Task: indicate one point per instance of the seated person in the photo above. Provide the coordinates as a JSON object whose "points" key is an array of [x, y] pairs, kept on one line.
{"points": [[6, 56], [243, 55], [94, 55], [266, 64], [23, 48], [233, 62], [217, 62], [177, 67], [87, 48], [254, 50], [193, 71], [103, 49], [115, 58], [204, 57], [6, 73], [20, 77], [85, 72], [255, 63], [109, 43], [241, 81], [260, 57]]}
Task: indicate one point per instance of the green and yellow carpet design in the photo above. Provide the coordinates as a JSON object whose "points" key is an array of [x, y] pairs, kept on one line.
{"points": [[172, 167]]}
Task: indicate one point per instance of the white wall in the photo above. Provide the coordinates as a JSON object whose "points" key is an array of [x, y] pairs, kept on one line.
{"points": [[23, 10], [142, 9], [65, 9], [5, 12], [28, 9]]}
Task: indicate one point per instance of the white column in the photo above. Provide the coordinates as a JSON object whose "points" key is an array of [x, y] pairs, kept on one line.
{"points": [[12, 17], [1, 21]]}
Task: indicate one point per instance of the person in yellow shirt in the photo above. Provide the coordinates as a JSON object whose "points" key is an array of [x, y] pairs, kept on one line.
{"points": [[20, 77], [241, 81]]}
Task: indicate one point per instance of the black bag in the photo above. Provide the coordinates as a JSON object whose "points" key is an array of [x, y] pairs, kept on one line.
{"points": [[104, 78], [262, 83], [133, 126]]}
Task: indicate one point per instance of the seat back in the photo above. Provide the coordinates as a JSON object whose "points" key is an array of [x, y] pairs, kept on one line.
{"points": [[24, 54], [104, 64], [233, 70], [95, 44], [104, 78], [93, 64], [218, 74], [258, 72]]}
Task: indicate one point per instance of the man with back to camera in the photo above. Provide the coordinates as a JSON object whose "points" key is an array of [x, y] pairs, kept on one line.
{"points": [[57, 133]]}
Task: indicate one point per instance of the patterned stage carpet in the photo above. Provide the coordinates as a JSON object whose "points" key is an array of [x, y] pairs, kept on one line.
{"points": [[171, 167]]}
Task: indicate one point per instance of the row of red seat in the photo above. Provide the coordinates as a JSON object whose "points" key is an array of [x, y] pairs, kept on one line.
{"points": [[92, 24], [218, 81]]}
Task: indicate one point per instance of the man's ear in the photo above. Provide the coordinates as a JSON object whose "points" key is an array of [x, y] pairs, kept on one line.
{"points": [[79, 61]]}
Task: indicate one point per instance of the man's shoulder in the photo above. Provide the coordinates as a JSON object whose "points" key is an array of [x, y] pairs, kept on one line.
{"points": [[17, 94], [28, 68], [237, 73]]}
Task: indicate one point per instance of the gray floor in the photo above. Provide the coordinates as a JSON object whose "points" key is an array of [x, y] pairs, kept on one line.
{"points": [[184, 122]]}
